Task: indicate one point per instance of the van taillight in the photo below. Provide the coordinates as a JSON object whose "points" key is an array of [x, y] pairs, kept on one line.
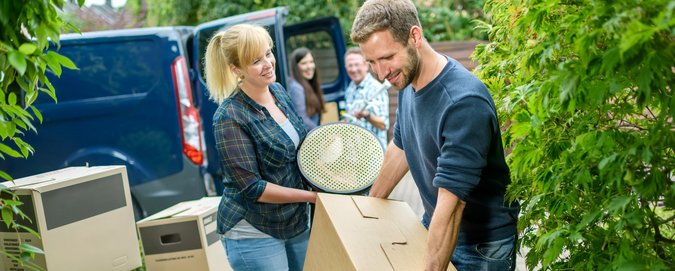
{"points": [[189, 120]]}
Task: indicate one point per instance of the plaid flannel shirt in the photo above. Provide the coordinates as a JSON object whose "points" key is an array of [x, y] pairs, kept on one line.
{"points": [[254, 150]]}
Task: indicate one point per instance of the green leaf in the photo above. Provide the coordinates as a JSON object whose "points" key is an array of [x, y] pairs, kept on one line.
{"points": [[31, 231], [7, 216], [12, 99], [12, 202], [30, 97], [606, 160], [637, 33], [27, 48], [588, 218], [618, 203], [9, 151], [569, 87], [25, 148], [18, 61], [30, 248], [5, 176], [646, 155], [64, 61], [552, 252], [53, 63], [37, 113]]}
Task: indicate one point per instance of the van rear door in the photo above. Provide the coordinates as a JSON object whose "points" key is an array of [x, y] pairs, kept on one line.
{"points": [[323, 36]]}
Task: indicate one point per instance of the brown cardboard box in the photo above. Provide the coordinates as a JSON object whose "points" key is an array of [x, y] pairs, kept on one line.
{"points": [[331, 114], [364, 233], [184, 237], [84, 216]]}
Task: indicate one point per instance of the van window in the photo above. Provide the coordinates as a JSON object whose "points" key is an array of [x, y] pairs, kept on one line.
{"points": [[107, 69], [321, 45]]}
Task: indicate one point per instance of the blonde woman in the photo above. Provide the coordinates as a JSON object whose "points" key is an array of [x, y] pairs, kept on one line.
{"points": [[263, 212]]}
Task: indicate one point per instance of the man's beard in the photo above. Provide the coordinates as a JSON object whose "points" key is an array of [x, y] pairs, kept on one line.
{"points": [[409, 71]]}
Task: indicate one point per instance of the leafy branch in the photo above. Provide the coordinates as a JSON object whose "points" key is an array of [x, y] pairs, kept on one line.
{"points": [[29, 29], [589, 107]]}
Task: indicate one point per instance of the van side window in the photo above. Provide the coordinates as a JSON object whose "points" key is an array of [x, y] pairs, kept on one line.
{"points": [[107, 69], [321, 45]]}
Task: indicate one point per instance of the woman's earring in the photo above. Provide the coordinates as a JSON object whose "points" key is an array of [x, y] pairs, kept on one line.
{"points": [[240, 79]]}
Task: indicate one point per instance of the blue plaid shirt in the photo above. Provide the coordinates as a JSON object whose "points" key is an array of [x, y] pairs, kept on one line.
{"points": [[356, 98], [254, 150]]}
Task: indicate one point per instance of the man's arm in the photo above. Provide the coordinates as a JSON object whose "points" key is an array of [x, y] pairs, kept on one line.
{"points": [[443, 230], [375, 120], [393, 169]]}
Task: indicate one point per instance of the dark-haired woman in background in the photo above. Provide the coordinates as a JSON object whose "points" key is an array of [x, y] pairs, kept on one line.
{"points": [[305, 87]]}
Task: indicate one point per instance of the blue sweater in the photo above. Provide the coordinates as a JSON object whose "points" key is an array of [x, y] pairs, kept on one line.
{"points": [[451, 138]]}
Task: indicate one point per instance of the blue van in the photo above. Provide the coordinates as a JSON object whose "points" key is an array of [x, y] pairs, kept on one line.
{"points": [[139, 99]]}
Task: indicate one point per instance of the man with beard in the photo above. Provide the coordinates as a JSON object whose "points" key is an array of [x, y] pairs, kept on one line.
{"points": [[447, 134]]}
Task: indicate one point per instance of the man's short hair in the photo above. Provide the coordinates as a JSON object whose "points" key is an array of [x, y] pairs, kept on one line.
{"points": [[353, 51], [397, 16]]}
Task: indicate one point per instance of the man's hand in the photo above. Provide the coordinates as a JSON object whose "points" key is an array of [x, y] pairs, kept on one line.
{"points": [[361, 114], [376, 121], [393, 169]]}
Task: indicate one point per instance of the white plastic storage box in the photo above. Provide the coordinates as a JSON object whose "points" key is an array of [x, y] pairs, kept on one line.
{"points": [[83, 215], [184, 237]]}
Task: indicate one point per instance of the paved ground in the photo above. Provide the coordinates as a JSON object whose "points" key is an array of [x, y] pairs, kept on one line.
{"points": [[407, 191]]}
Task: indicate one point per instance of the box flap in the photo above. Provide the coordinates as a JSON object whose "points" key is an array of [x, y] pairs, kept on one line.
{"points": [[197, 208], [397, 211], [205, 205], [169, 212], [399, 257], [367, 208], [371, 208], [38, 180]]}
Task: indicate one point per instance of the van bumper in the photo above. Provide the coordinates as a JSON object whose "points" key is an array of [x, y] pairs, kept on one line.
{"points": [[159, 194]]}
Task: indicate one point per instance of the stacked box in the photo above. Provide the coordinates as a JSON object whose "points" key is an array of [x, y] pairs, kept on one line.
{"points": [[83, 215], [184, 237]]}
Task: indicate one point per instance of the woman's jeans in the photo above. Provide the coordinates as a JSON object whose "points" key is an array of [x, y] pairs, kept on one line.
{"points": [[267, 253], [496, 255]]}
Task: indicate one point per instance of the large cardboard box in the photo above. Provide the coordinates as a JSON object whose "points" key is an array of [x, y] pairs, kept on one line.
{"points": [[84, 216], [184, 237], [364, 233]]}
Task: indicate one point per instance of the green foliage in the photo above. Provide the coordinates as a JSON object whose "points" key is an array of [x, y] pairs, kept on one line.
{"points": [[442, 20], [11, 216], [586, 88], [27, 28], [446, 20]]}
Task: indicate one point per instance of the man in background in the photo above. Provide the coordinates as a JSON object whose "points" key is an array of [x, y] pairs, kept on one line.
{"points": [[365, 99]]}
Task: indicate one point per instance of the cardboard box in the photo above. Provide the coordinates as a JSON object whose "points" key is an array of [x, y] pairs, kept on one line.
{"points": [[84, 216], [331, 114], [364, 233], [184, 237]]}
